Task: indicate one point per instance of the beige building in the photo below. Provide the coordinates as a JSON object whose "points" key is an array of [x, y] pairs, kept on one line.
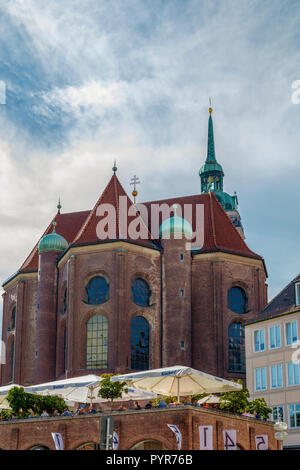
{"points": [[273, 358]]}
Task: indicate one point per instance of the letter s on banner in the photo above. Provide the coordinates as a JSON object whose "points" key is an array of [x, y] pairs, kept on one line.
{"points": [[206, 437], [58, 441], [261, 442], [229, 437], [115, 441], [177, 434]]}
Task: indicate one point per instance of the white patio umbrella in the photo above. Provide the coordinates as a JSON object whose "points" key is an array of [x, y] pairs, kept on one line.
{"points": [[84, 390], [177, 380], [210, 399]]}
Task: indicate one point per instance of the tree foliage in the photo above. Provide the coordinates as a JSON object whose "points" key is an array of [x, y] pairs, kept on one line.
{"points": [[237, 402], [21, 402], [260, 406], [111, 390]]}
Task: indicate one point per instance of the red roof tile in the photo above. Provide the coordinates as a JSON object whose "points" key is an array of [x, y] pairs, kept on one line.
{"points": [[67, 225], [219, 232], [79, 228], [113, 191]]}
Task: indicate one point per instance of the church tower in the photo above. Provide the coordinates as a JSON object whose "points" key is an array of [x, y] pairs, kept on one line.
{"points": [[49, 248], [211, 177]]}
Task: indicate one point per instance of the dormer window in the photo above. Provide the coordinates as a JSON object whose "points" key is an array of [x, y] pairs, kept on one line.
{"points": [[297, 293]]}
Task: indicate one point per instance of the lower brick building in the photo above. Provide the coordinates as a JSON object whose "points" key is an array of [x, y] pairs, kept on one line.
{"points": [[137, 430]]}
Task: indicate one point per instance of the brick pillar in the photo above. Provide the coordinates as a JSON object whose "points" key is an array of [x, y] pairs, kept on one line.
{"points": [[19, 332], [4, 334], [71, 267], [46, 318], [177, 323], [218, 317], [120, 329]]}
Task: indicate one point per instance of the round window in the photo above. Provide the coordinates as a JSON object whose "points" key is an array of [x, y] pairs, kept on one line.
{"points": [[237, 300]]}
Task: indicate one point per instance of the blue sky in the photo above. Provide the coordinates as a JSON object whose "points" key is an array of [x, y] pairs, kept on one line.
{"points": [[89, 81]]}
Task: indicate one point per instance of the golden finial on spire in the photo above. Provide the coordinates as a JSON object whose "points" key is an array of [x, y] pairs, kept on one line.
{"points": [[134, 181], [210, 108]]}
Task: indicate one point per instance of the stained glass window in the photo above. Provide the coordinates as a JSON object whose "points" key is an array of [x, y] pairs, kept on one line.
{"points": [[140, 292], [139, 343], [13, 318], [237, 361], [237, 300], [97, 343], [97, 291]]}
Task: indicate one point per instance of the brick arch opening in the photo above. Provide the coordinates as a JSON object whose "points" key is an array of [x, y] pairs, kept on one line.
{"points": [[88, 446], [39, 447], [149, 444]]}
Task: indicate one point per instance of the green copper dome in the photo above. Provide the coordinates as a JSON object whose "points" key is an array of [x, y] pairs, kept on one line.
{"points": [[227, 202], [175, 226], [210, 167], [52, 242]]}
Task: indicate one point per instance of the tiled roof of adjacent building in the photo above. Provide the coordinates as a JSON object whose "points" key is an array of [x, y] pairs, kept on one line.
{"points": [[284, 302]]}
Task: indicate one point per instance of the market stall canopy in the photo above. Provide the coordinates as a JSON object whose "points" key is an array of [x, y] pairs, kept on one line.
{"points": [[177, 381]]}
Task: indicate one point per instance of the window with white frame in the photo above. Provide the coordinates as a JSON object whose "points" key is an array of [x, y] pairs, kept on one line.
{"points": [[294, 415], [276, 376], [291, 332], [278, 413], [275, 337], [293, 373], [297, 293], [260, 379], [259, 340]]}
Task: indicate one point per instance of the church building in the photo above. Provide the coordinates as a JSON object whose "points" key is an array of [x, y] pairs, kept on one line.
{"points": [[81, 303]]}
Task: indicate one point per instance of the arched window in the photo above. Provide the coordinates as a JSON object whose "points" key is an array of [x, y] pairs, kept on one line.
{"points": [[97, 291], [12, 360], [140, 292], [236, 348], [139, 343], [13, 318], [65, 350], [237, 300], [65, 301], [97, 343]]}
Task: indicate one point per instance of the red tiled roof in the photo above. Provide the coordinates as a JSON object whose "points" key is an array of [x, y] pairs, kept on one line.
{"points": [[79, 228], [219, 232], [67, 225], [113, 191]]}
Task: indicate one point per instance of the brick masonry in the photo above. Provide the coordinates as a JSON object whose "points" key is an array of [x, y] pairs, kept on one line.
{"points": [[190, 330], [134, 427]]}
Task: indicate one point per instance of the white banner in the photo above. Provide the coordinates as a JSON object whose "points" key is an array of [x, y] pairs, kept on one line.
{"points": [[177, 434], [58, 441], [261, 442], [206, 437], [115, 441], [229, 437]]}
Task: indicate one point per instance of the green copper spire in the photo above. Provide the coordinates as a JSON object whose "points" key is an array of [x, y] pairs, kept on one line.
{"points": [[114, 168], [211, 173], [211, 157]]}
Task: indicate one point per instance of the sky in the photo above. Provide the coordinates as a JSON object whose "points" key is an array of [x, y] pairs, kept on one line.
{"points": [[90, 81]]}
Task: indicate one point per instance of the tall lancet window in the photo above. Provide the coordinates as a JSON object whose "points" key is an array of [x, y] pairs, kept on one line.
{"points": [[12, 360], [236, 348], [97, 342], [139, 343]]}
